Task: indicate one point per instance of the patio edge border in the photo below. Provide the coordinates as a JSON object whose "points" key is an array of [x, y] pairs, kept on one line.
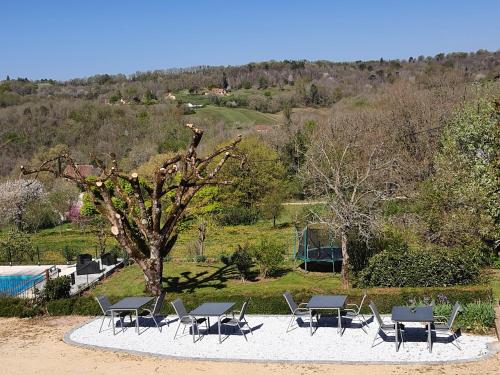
{"points": [[492, 348]]}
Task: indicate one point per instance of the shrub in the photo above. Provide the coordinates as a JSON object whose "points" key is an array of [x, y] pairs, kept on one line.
{"points": [[200, 258], [68, 253], [239, 215], [242, 260], [421, 268], [269, 257], [477, 316], [57, 288], [19, 307]]}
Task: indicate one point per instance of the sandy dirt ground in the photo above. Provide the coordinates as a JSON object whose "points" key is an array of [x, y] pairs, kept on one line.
{"points": [[36, 346]]}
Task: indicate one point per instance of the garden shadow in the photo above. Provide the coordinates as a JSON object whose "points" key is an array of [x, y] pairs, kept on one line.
{"points": [[216, 277]]}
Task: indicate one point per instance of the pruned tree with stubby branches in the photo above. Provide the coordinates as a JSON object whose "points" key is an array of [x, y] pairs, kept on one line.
{"points": [[143, 213]]}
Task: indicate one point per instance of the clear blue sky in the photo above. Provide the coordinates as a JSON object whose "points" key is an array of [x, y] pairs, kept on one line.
{"points": [[63, 39]]}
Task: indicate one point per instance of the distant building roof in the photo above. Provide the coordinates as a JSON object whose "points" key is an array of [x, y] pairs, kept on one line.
{"points": [[85, 170]]}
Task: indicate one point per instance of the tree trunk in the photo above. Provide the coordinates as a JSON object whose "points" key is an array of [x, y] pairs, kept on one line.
{"points": [[274, 221], [153, 271], [345, 262]]}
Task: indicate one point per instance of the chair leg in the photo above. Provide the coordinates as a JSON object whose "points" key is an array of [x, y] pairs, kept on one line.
{"points": [[177, 330], [154, 319], [456, 342], [245, 336], [102, 322], [249, 328], [290, 323], [375, 338]]}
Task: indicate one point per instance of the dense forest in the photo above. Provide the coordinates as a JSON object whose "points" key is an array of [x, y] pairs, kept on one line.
{"points": [[405, 152]]}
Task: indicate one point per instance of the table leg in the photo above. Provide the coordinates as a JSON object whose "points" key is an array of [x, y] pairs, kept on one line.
{"points": [[429, 337], [339, 329], [310, 322], [218, 328], [137, 321], [113, 321], [396, 328]]}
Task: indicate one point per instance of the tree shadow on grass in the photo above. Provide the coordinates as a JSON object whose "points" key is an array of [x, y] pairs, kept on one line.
{"points": [[189, 281], [216, 277]]}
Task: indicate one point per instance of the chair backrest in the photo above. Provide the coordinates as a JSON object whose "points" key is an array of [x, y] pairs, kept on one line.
{"points": [[361, 304], [104, 303], [456, 309], [291, 303], [243, 309], [179, 308], [375, 313], [159, 303]]}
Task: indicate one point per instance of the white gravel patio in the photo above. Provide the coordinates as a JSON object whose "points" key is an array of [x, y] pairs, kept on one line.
{"points": [[269, 342]]}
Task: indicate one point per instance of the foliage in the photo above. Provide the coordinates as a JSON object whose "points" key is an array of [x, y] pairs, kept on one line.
{"points": [[242, 260], [17, 247], [461, 201], [476, 316], [260, 175], [68, 253], [237, 215], [57, 288], [269, 257], [272, 204], [436, 267]]}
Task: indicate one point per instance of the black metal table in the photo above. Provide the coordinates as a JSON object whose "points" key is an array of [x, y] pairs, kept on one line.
{"points": [[209, 309], [130, 304], [326, 302], [421, 314]]}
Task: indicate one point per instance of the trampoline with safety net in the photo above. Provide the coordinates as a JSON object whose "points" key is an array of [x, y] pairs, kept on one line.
{"points": [[316, 243]]}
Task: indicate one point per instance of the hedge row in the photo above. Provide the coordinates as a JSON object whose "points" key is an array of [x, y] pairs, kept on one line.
{"points": [[422, 268]]}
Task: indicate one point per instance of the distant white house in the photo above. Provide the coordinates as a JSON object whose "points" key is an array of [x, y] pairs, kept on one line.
{"points": [[191, 105]]}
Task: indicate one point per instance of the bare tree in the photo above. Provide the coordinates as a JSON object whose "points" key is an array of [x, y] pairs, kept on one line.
{"points": [[144, 215], [351, 176]]}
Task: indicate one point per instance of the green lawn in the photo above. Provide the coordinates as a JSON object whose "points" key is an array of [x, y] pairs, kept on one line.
{"points": [[235, 116], [215, 279], [219, 239]]}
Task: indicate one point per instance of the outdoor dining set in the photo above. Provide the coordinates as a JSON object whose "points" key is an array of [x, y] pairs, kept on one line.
{"points": [[149, 307]]}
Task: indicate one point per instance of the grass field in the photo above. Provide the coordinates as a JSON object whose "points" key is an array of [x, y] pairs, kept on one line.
{"points": [[219, 239], [214, 279], [236, 116]]}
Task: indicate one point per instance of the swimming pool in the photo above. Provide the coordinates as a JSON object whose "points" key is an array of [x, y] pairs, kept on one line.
{"points": [[15, 284]]}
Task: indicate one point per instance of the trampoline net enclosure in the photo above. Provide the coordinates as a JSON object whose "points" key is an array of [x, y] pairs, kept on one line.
{"points": [[315, 243]]}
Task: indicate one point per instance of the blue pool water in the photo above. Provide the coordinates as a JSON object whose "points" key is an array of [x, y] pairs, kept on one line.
{"points": [[17, 283]]}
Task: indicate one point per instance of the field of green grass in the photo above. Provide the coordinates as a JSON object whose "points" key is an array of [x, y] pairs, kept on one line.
{"points": [[236, 116], [215, 279], [219, 239]]}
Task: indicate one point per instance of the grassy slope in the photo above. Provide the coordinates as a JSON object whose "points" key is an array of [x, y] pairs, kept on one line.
{"points": [[238, 116], [218, 239], [214, 279]]}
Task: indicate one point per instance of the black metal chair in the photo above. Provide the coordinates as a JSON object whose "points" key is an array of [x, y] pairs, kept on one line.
{"points": [[238, 321], [185, 319], [299, 310], [441, 324], [104, 304], [154, 311], [384, 327]]}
